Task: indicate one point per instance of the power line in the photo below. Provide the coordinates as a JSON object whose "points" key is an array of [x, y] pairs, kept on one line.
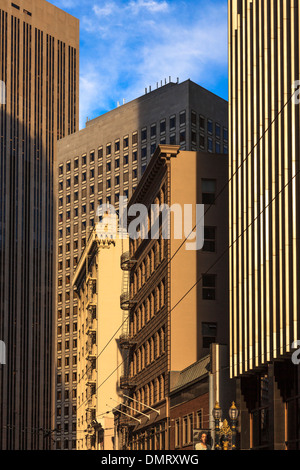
{"points": [[211, 205]]}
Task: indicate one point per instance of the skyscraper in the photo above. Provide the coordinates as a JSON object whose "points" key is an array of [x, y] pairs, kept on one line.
{"points": [[39, 67], [264, 260]]}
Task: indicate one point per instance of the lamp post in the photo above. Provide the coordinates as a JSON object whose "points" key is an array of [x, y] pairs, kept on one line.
{"points": [[227, 432], [233, 415], [217, 414]]}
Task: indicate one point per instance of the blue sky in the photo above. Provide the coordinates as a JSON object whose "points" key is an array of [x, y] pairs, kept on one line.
{"points": [[126, 46]]}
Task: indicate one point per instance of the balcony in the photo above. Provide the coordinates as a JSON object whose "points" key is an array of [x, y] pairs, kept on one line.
{"points": [[91, 416], [91, 352], [125, 302], [126, 342], [91, 318], [126, 383], [91, 377], [91, 403], [127, 263]]}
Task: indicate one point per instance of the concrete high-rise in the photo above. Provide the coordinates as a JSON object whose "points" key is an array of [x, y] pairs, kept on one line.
{"points": [[264, 48], [101, 163], [39, 68]]}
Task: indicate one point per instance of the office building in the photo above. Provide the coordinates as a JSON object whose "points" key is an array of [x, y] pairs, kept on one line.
{"points": [[39, 68], [264, 219], [178, 297], [101, 163]]}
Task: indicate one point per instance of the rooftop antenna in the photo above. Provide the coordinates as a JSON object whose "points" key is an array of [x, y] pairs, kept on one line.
{"points": [[170, 79], [177, 79], [146, 91], [156, 84], [165, 81], [118, 104], [124, 101], [150, 88]]}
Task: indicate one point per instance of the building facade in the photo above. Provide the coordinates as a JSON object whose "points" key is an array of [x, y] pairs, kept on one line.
{"points": [[264, 219], [98, 281], [176, 302], [189, 404], [39, 70], [101, 163]]}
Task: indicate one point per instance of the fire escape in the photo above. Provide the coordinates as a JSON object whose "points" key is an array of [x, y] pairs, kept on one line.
{"points": [[127, 303], [91, 358]]}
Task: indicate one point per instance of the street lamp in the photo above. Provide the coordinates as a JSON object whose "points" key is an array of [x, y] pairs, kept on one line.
{"points": [[227, 433], [217, 414]]}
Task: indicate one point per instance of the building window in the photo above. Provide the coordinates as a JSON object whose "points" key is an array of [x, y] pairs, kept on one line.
{"points": [[209, 127], [218, 131], [100, 153], [108, 149], [125, 142], [177, 433], [199, 419], [209, 287], [209, 239], [144, 134], [182, 118], [225, 134], [209, 145], [208, 191], [153, 131], [172, 122], [135, 138], [209, 334], [163, 126], [182, 136], [144, 152], [185, 431], [117, 146], [173, 139], [194, 137]]}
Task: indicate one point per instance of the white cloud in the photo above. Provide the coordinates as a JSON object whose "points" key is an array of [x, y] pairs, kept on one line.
{"points": [[148, 5], [123, 54], [106, 10]]}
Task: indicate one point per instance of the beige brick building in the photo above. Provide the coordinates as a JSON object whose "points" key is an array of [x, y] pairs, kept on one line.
{"points": [[178, 298], [98, 282]]}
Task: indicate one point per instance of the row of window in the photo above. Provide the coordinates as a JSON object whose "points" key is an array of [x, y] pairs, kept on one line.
{"points": [[67, 361], [153, 439], [184, 428], [149, 395], [65, 444], [150, 307], [197, 121], [153, 349]]}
